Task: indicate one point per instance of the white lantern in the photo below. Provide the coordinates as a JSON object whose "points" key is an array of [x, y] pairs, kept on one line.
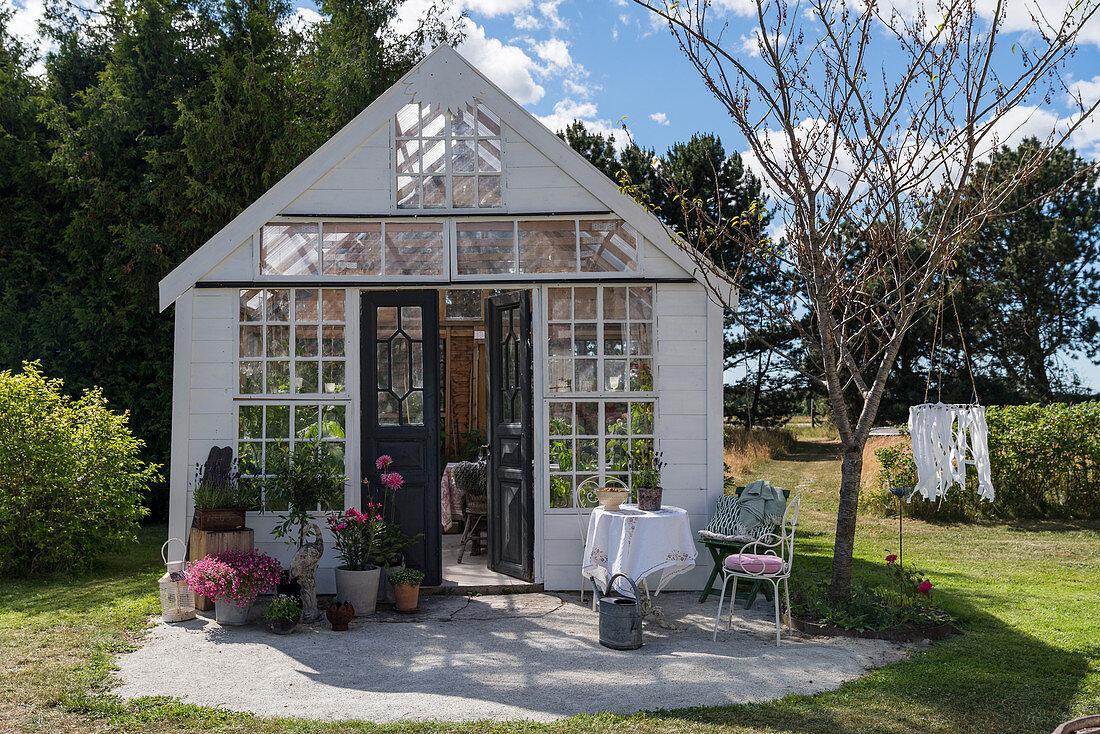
{"points": [[177, 602]]}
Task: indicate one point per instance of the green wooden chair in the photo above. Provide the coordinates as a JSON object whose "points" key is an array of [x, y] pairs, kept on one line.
{"points": [[722, 549]]}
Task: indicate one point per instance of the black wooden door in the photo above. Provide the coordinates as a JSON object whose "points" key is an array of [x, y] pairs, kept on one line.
{"points": [[400, 398], [511, 496]]}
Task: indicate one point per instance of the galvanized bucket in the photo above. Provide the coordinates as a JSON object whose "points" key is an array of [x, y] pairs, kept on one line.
{"points": [[620, 617]]}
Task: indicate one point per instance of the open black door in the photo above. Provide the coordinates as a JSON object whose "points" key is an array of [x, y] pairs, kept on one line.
{"points": [[511, 495], [400, 397]]}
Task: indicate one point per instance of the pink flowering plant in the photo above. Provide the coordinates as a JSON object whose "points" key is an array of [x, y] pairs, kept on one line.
{"points": [[237, 577], [356, 534], [391, 540]]}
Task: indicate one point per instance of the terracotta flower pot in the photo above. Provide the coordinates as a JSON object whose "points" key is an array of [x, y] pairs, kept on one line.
{"points": [[339, 613], [408, 598]]}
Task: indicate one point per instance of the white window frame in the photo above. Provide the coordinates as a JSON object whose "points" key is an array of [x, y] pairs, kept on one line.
{"points": [[448, 137], [542, 333], [290, 396]]}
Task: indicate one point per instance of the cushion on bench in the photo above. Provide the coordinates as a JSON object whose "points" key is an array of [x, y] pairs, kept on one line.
{"points": [[735, 521]]}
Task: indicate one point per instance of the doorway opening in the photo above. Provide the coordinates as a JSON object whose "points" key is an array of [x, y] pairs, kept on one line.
{"points": [[476, 529]]}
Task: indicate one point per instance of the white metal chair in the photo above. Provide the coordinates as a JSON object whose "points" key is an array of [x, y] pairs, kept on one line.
{"points": [[584, 498], [768, 559]]}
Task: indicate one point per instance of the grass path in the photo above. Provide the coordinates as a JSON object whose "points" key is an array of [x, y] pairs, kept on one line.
{"points": [[1028, 597]]}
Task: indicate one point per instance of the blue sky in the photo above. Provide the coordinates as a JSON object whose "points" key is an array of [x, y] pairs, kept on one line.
{"points": [[607, 62]]}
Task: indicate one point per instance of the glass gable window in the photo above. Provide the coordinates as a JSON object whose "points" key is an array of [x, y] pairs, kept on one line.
{"points": [[378, 248], [291, 341], [263, 430], [447, 160]]}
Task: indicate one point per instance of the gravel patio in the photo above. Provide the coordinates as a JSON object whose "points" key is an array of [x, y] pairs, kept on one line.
{"points": [[523, 656]]}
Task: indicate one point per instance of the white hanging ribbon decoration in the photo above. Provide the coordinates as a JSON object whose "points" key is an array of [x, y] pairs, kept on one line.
{"points": [[939, 433]]}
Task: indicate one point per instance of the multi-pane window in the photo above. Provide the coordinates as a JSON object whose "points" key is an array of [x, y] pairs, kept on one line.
{"points": [[353, 248], [447, 160], [594, 439], [264, 430], [291, 341], [600, 339], [542, 246]]}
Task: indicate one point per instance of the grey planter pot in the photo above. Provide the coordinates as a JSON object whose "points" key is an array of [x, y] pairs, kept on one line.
{"points": [[359, 588], [228, 614]]}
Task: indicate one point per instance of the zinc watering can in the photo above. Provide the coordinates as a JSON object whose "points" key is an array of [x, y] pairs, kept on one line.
{"points": [[620, 616]]}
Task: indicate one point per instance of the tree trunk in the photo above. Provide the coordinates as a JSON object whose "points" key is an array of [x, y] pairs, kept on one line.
{"points": [[851, 470]]}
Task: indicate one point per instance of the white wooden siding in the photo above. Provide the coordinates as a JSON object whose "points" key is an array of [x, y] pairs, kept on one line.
{"points": [[360, 183], [236, 266]]}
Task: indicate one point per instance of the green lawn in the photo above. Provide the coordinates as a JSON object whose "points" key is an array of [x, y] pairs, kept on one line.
{"points": [[1028, 597]]}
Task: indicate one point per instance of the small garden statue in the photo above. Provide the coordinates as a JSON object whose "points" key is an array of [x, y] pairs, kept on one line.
{"points": [[303, 568]]}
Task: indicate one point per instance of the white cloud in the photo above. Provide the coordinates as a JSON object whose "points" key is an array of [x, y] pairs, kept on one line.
{"points": [[554, 52], [526, 22], [507, 66], [303, 19], [575, 88], [750, 43], [24, 20], [567, 110], [660, 118], [549, 10], [493, 8]]}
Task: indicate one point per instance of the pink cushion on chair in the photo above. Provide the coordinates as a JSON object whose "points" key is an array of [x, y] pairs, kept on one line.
{"points": [[754, 563]]}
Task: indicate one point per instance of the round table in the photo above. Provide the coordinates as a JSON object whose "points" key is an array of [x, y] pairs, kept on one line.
{"points": [[638, 543]]}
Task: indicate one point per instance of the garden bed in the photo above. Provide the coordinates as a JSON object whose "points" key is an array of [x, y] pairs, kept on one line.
{"points": [[913, 634]]}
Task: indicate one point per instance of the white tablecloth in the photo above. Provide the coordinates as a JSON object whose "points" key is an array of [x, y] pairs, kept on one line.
{"points": [[638, 544]]}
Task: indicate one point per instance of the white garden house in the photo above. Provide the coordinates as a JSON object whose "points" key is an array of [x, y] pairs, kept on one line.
{"points": [[348, 302]]}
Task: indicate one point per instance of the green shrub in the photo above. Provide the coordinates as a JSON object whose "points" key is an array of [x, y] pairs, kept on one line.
{"points": [[70, 478], [1045, 462]]}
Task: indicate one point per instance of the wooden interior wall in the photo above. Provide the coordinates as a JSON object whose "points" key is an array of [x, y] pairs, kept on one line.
{"points": [[464, 397]]}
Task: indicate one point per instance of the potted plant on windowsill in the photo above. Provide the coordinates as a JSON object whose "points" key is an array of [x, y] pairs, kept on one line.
{"points": [[283, 615], [233, 579], [220, 499], [406, 587], [645, 477]]}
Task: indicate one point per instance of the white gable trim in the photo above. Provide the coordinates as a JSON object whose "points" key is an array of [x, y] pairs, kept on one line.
{"points": [[377, 115]]}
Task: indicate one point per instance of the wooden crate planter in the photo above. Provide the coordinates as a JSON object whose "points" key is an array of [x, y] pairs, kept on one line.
{"points": [[210, 543], [222, 518]]}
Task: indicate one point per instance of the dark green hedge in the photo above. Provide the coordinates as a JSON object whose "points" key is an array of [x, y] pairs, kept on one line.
{"points": [[1045, 461]]}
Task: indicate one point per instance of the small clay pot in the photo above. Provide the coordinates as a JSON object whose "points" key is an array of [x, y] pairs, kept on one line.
{"points": [[408, 598], [283, 626], [339, 613], [649, 498]]}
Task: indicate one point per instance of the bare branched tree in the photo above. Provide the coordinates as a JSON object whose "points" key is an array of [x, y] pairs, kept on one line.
{"points": [[868, 127]]}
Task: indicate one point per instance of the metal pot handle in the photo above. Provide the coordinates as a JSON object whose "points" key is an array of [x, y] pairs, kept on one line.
{"points": [[634, 586]]}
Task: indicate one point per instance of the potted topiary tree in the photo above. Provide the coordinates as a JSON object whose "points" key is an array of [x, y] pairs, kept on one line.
{"points": [[305, 481], [406, 588]]}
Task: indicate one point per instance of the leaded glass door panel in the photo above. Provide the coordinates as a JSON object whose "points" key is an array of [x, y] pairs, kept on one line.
{"points": [[400, 412], [511, 496]]}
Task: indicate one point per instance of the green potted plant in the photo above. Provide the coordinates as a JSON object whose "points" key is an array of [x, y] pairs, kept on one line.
{"points": [[406, 587], [645, 477], [221, 499], [303, 481], [283, 615]]}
